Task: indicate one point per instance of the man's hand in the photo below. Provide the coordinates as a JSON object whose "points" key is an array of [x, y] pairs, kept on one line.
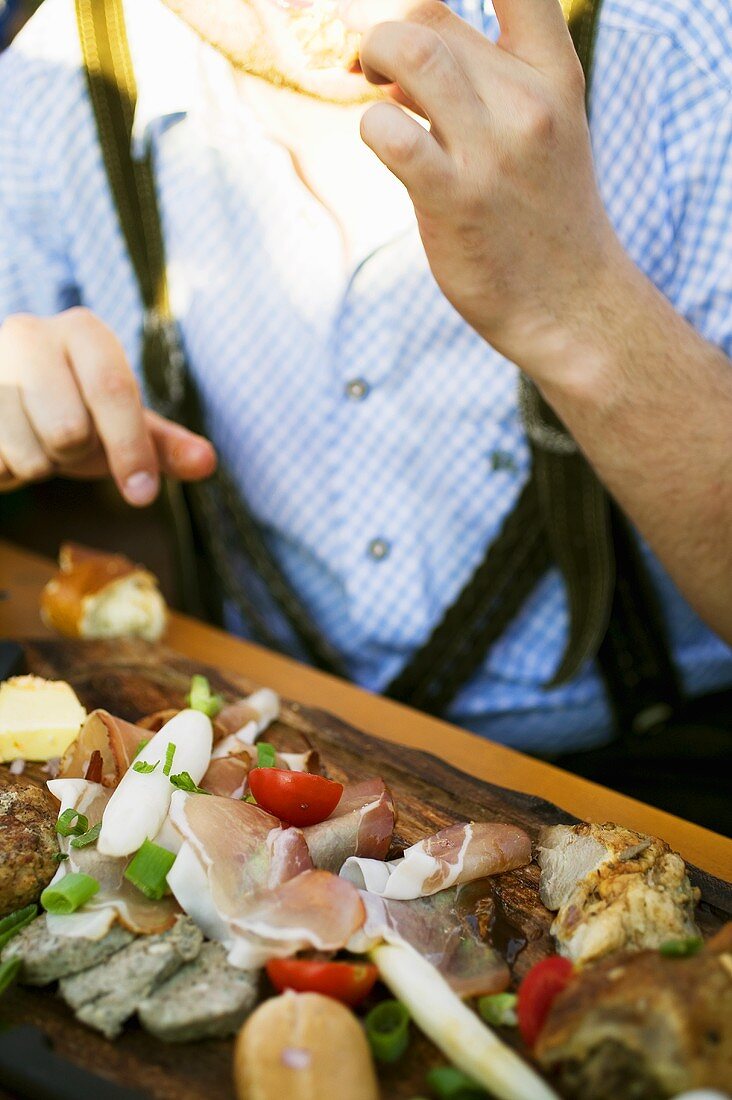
{"points": [[70, 406], [503, 182]]}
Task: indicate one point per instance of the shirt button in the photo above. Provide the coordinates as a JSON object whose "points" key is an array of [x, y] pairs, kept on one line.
{"points": [[357, 389], [379, 549]]}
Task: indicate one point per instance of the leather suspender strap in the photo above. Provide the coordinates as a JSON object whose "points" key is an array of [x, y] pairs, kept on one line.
{"points": [[113, 93]]}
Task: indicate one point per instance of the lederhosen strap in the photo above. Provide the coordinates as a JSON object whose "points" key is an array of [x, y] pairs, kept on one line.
{"points": [[562, 515], [113, 93]]}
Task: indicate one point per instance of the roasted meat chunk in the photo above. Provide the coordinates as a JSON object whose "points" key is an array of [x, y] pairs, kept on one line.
{"points": [[28, 842], [643, 1026], [614, 890]]}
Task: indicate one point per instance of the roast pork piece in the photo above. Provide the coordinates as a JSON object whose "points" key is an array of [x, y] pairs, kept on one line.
{"points": [[644, 1026], [613, 890]]}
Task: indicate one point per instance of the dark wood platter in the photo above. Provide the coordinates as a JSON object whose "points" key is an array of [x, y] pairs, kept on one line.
{"points": [[131, 679]]}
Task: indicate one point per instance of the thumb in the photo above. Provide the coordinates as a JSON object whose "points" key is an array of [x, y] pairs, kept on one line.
{"points": [[535, 31], [182, 454]]}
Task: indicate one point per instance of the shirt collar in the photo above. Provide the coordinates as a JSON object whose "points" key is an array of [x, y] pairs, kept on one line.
{"points": [[165, 53]]}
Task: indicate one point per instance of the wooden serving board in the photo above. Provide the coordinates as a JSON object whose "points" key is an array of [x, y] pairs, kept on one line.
{"points": [[132, 679]]}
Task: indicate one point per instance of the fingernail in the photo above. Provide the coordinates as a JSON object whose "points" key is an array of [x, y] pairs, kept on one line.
{"points": [[141, 488]]}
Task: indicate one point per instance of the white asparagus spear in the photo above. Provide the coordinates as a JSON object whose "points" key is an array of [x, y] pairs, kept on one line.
{"points": [[454, 1028], [138, 807]]}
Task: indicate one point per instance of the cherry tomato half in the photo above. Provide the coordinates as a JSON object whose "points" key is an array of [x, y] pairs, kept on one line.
{"points": [[538, 991], [347, 982], [298, 798]]}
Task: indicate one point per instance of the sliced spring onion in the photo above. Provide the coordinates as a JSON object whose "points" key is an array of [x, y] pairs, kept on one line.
{"points": [[683, 948], [140, 746], [249, 797], [148, 869], [266, 755], [143, 767], [449, 1083], [87, 838], [13, 923], [387, 1030], [8, 973], [453, 1027], [183, 782], [59, 857], [169, 754], [200, 697], [499, 1009], [71, 823], [69, 893]]}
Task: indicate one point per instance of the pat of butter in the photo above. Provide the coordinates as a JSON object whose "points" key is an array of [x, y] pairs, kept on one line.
{"points": [[38, 718]]}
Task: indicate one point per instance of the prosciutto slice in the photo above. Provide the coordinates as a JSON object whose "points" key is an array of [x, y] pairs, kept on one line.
{"points": [[443, 929], [362, 824], [314, 911], [242, 722], [456, 855], [118, 899], [227, 775], [239, 848], [117, 742]]}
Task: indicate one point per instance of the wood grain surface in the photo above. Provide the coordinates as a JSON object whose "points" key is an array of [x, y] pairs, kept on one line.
{"points": [[132, 679]]}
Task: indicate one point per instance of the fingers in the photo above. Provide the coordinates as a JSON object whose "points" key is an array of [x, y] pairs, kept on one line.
{"points": [[417, 58], [110, 393], [535, 31], [405, 147], [22, 454], [181, 454], [51, 398]]}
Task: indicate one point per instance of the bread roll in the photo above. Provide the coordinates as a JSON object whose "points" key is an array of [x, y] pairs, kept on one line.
{"points": [[302, 1046], [97, 595]]}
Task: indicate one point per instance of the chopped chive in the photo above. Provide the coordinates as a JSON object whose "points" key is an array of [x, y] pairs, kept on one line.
{"points": [[448, 1083], [69, 893], [8, 973], [387, 1030], [140, 746], [682, 948], [200, 697], [266, 755], [148, 869], [13, 923], [71, 823], [59, 857], [183, 782], [169, 754], [87, 838], [499, 1009], [143, 767]]}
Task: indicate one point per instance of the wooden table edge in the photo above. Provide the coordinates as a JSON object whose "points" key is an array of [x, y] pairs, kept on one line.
{"points": [[22, 575]]}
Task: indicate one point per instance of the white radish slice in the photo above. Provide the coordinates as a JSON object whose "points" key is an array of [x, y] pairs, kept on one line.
{"points": [[139, 805], [266, 704]]}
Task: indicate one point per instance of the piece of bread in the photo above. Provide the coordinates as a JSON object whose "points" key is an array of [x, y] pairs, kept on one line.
{"points": [[98, 595], [302, 1046]]}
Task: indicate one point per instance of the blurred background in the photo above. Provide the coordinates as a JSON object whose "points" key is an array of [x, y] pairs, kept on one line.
{"points": [[13, 14]]}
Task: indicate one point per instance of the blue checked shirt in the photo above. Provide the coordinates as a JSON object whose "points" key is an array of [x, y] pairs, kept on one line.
{"points": [[375, 435]]}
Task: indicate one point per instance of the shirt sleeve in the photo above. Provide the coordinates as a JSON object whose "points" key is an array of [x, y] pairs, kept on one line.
{"points": [[35, 274], [698, 148]]}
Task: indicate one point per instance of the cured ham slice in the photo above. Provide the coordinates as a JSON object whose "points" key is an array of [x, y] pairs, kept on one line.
{"points": [[118, 899], [362, 824], [227, 775], [456, 855], [314, 911], [114, 739], [239, 847], [443, 929], [242, 722]]}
